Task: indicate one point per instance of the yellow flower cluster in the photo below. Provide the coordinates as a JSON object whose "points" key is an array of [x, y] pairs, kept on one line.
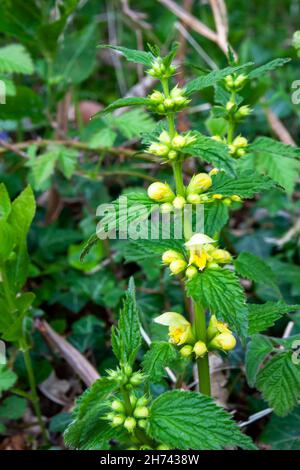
{"points": [[169, 147], [238, 147], [162, 104]]}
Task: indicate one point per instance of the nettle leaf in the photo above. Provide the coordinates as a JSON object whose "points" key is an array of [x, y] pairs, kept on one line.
{"points": [[132, 55], [212, 78], [7, 378], [133, 123], [245, 185], [124, 102], [14, 58], [257, 351], [215, 218], [190, 420], [256, 269], [221, 293], [263, 316], [268, 67], [279, 383], [5, 204], [283, 433], [139, 250], [67, 161], [211, 151], [89, 430], [277, 160], [126, 339], [43, 167], [160, 355]]}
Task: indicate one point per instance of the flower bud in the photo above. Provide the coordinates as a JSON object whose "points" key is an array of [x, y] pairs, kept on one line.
{"points": [[212, 265], [130, 424], [194, 199], [158, 149], [118, 420], [168, 103], [137, 379], [221, 256], [160, 192], [133, 400], [171, 255], [141, 412], [118, 406], [142, 423], [230, 105], [165, 138], [217, 138], [240, 80], [156, 97], [177, 92], [177, 266], [240, 142], [142, 401], [229, 81], [214, 172], [191, 272], [243, 111], [172, 154], [240, 153], [227, 201], [236, 198], [163, 447], [199, 183], [224, 341], [200, 349], [178, 141], [166, 208], [217, 196], [127, 370], [179, 202], [186, 351]]}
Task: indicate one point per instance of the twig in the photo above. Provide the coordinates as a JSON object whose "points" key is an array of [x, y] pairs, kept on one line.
{"points": [[72, 356], [220, 16], [255, 417], [12, 148], [279, 129]]}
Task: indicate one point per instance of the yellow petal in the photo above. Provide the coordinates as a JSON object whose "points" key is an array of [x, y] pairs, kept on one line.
{"points": [[171, 319]]}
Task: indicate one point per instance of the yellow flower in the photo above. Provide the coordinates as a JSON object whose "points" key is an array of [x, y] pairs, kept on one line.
{"points": [[217, 196], [198, 259], [171, 255], [216, 327], [224, 341], [160, 192], [200, 349], [180, 329], [221, 256], [199, 247], [199, 183], [177, 266]]}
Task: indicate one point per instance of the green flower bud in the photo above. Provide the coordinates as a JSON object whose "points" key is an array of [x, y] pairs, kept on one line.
{"points": [[172, 155], [177, 266], [168, 103], [221, 256], [224, 341], [214, 172], [191, 272], [194, 199], [158, 149], [236, 198], [240, 153], [230, 105], [117, 405], [240, 80], [227, 201], [142, 401], [229, 82], [133, 400], [179, 202], [141, 412], [166, 208], [118, 420], [178, 141], [156, 97], [130, 424], [200, 349], [171, 255], [243, 111], [186, 351], [212, 265], [160, 192], [137, 379], [142, 423], [127, 370], [165, 138]]}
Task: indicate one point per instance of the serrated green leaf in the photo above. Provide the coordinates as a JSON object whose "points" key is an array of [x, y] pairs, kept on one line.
{"points": [[279, 383], [7, 378], [126, 339], [277, 160], [67, 161], [216, 215], [139, 250], [14, 58], [132, 55], [212, 78], [283, 433], [211, 151], [263, 69], [262, 317], [88, 429], [221, 293], [256, 269], [160, 355], [124, 102], [245, 185], [190, 420], [132, 123], [43, 168], [257, 351]]}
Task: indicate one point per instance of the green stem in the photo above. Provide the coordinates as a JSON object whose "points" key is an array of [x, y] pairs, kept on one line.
{"points": [[177, 170], [202, 362], [34, 395]]}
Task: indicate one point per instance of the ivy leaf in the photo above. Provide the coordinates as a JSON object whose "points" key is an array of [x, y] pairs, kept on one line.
{"points": [[211, 151], [263, 316], [283, 433], [245, 185], [277, 160], [14, 58], [190, 420], [7, 378], [268, 67], [126, 339], [257, 351], [216, 216], [160, 355], [124, 102], [132, 55], [89, 430], [221, 293], [256, 269], [212, 78], [279, 383]]}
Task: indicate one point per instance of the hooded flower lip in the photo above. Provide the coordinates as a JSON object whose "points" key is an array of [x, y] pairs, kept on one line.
{"points": [[180, 329], [197, 240]]}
